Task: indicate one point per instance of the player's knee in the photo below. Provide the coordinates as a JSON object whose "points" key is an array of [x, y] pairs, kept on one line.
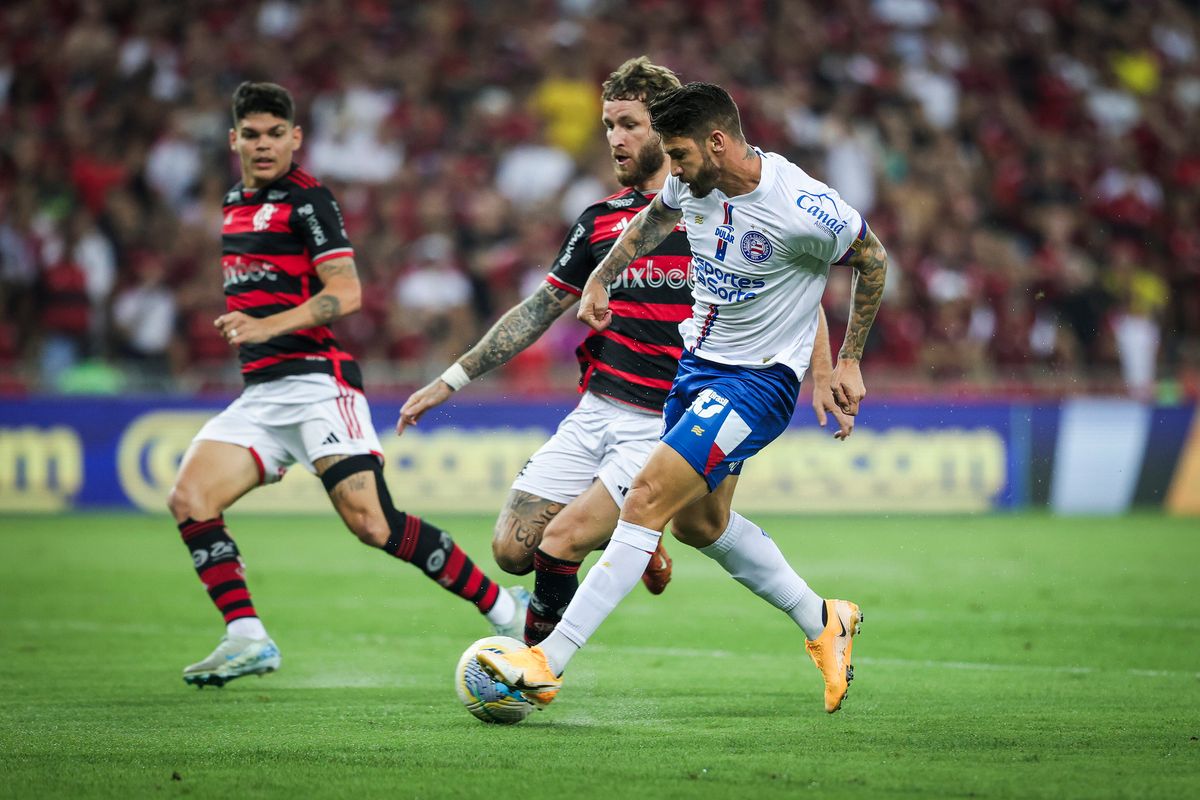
{"points": [[698, 531], [512, 558], [643, 505], [186, 502], [565, 538]]}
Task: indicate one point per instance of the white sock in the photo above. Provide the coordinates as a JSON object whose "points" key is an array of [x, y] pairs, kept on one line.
{"points": [[753, 559], [616, 573], [502, 610], [247, 628]]}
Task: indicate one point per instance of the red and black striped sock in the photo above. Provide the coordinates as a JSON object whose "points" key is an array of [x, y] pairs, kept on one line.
{"points": [[219, 566], [431, 548], [556, 583]]}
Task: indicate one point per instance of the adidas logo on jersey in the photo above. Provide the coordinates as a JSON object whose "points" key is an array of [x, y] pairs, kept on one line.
{"points": [[331, 439]]}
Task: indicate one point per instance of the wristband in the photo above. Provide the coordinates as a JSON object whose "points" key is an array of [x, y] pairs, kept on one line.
{"points": [[456, 377]]}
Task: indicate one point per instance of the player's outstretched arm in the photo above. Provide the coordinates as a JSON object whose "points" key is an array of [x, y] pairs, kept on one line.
{"points": [[341, 296], [869, 261], [517, 329], [822, 375], [644, 233]]}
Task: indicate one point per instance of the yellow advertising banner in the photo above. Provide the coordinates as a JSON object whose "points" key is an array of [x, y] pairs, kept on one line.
{"points": [[456, 470]]}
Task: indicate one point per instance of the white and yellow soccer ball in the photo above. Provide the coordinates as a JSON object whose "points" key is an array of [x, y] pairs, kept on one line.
{"points": [[484, 696]]}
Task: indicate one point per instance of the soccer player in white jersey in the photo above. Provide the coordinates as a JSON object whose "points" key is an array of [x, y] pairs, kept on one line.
{"points": [[763, 235], [566, 500]]}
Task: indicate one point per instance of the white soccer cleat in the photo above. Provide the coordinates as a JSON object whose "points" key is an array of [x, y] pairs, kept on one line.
{"points": [[234, 657], [515, 627]]}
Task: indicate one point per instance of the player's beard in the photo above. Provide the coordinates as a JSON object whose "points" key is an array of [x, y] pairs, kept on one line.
{"points": [[706, 178], [643, 165]]}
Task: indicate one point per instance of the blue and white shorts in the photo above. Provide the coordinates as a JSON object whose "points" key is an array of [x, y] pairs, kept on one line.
{"points": [[718, 415]]}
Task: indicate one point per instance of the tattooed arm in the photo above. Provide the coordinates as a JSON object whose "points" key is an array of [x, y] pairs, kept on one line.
{"points": [[644, 233], [869, 262], [341, 296], [517, 329], [511, 334]]}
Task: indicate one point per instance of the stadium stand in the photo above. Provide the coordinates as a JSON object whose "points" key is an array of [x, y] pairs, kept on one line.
{"points": [[1034, 172]]}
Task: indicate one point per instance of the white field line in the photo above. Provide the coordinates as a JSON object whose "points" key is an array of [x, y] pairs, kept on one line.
{"points": [[84, 626], [904, 663], [1008, 618]]}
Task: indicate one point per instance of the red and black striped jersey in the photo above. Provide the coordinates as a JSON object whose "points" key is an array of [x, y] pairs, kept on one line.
{"points": [[272, 240], [635, 358]]}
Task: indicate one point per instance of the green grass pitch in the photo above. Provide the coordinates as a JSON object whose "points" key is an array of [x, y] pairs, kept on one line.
{"points": [[1004, 656]]}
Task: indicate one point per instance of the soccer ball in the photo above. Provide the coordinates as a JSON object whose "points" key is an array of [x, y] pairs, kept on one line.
{"points": [[484, 696]]}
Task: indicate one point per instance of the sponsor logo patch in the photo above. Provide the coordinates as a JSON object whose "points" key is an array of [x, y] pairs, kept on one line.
{"points": [[823, 209], [708, 404], [308, 214], [569, 250]]}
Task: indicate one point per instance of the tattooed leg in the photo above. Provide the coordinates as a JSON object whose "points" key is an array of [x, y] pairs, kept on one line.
{"points": [[356, 494], [519, 530]]}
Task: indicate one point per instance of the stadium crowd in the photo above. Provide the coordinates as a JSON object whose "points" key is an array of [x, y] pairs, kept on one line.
{"points": [[1033, 168]]}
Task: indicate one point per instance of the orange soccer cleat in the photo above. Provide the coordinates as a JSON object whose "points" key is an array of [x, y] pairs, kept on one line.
{"points": [[524, 670], [831, 650]]}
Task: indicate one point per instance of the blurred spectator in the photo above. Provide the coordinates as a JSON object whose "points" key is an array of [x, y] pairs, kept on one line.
{"points": [[1141, 297], [64, 315], [433, 301], [144, 316]]}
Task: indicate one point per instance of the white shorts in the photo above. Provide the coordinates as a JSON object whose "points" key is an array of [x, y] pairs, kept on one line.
{"points": [[297, 419], [600, 438]]}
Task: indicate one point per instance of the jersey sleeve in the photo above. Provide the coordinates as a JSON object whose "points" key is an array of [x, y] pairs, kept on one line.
{"points": [[829, 236], [317, 220], [670, 193], [846, 239], [574, 262]]}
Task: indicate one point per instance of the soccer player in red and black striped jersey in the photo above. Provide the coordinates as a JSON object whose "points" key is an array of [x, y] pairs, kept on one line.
{"points": [[289, 273], [567, 499]]}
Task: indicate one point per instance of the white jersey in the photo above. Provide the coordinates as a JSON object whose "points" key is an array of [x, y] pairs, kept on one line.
{"points": [[759, 264]]}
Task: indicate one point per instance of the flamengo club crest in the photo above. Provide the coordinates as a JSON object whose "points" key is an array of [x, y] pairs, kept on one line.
{"points": [[756, 247], [262, 218]]}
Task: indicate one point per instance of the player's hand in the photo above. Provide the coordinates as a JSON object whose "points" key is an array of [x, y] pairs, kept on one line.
{"points": [[593, 306], [238, 328], [420, 401], [848, 387], [823, 404]]}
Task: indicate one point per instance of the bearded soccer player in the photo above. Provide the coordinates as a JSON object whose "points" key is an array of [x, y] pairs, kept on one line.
{"points": [[567, 499], [763, 235], [289, 273]]}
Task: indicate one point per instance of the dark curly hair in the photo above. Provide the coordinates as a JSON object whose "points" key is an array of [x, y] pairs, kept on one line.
{"points": [[695, 110]]}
